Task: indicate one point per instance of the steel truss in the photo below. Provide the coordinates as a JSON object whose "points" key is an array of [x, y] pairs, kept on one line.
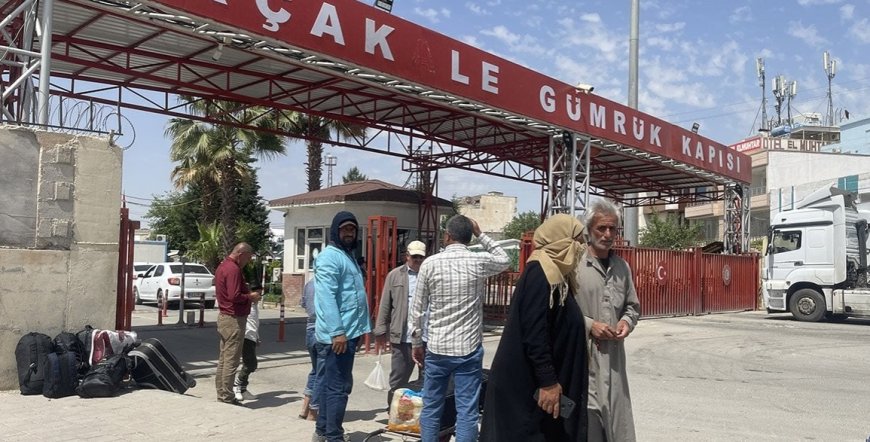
{"points": [[139, 74], [737, 209]]}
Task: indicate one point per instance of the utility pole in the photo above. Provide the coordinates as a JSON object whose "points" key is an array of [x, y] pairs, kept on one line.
{"points": [[630, 214], [830, 71], [759, 67]]}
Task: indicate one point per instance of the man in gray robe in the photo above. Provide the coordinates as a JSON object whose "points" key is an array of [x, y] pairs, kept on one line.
{"points": [[606, 295]]}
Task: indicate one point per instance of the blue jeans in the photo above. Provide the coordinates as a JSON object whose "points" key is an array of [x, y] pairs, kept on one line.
{"points": [[334, 389], [467, 373], [315, 376]]}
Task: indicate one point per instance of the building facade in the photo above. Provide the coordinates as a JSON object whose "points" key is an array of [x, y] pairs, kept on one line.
{"points": [[492, 211]]}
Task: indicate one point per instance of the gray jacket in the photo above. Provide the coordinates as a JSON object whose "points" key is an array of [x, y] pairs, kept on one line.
{"points": [[393, 309]]}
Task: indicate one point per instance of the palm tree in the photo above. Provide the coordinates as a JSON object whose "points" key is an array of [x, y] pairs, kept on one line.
{"points": [[219, 156], [316, 129]]}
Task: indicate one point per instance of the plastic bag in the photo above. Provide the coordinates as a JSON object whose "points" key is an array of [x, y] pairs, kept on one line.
{"points": [[377, 379], [405, 411]]}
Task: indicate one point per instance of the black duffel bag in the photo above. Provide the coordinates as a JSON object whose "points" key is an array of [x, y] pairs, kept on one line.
{"points": [[105, 378]]}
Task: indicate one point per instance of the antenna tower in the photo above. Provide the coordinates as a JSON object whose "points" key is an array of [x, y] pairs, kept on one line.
{"points": [[759, 67], [830, 71]]}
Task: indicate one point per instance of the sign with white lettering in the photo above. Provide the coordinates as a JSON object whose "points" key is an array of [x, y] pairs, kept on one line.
{"points": [[359, 34], [747, 145]]}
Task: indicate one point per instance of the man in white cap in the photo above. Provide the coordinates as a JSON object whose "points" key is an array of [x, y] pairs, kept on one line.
{"points": [[398, 293]]}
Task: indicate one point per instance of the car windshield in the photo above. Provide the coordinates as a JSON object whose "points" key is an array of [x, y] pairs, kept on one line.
{"points": [[189, 268], [141, 268]]}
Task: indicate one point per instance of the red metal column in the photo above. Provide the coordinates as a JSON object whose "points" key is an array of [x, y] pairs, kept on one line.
{"points": [[381, 256]]}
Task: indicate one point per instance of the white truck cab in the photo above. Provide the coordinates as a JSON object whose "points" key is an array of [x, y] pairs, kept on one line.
{"points": [[816, 258]]}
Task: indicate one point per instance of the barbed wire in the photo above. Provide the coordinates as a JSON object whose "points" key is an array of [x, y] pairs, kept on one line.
{"points": [[87, 117]]}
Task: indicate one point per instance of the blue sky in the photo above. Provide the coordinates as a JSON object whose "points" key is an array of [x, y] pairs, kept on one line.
{"points": [[697, 64]]}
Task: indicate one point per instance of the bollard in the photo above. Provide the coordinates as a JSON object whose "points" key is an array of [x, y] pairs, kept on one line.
{"points": [[201, 309], [160, 309], [165, 304], [281, 322]]}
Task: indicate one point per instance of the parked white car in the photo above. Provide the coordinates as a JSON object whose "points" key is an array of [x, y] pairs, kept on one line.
{"points": [[165, 279]]}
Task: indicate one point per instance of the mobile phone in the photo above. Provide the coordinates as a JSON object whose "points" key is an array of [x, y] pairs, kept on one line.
{"points": [[566, 404]]}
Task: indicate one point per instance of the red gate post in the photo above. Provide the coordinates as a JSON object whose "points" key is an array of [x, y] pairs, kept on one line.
{"points": [[201, 309], [160, 309], [281, 321], [698, 286]]}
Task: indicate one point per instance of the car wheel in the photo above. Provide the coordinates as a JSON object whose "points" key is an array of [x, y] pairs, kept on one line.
{"points": [[136, 296], [209, 304], [807, 305]]}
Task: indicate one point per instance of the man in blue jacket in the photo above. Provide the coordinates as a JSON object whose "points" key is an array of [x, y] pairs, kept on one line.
{"points": [[342, 317]]}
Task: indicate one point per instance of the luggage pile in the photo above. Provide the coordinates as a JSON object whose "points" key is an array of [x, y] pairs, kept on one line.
{"points": [[95, 363]]}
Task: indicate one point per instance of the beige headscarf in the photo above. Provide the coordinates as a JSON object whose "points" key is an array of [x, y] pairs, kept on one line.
{"points": [[557, 251]]}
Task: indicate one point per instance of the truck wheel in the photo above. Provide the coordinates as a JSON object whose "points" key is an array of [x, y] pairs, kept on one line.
{"points": [[807, 305]]}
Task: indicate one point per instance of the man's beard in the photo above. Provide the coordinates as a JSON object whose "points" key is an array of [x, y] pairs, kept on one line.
{"points": [[348, 242]]}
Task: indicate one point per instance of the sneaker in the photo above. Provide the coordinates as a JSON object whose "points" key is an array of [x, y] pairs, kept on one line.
{"points": [[247, 395], [237, 391], [318, 438]]}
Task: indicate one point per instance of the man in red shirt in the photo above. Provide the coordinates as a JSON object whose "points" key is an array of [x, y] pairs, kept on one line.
{"points": [[234, 299]]}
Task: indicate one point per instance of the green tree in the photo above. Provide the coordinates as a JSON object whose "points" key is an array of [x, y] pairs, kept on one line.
{"points": [[352, 175], [522, 223], [315, 129], [175, 215], [220, 155], [669, 232], [207, 248]]}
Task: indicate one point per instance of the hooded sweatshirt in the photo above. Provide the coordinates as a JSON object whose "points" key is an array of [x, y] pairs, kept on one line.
{"points": [[340, 302]]}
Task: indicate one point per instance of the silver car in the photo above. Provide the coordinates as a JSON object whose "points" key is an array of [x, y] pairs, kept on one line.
{"points": [[164, 279]]}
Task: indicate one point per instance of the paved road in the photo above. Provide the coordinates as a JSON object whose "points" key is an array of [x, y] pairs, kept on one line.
{"points": [[750, 376], [746, 376]]}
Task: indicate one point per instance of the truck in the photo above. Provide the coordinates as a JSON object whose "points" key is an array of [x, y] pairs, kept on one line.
{"points": [[815, 264]]}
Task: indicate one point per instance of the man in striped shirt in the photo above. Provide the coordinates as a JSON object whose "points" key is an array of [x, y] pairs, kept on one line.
{"points": [[450, 285]]}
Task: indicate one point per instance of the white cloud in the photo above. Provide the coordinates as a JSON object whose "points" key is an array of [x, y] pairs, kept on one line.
{"points": [[591, 18], [516, 43], [817, 2], [808, 34], [670, 27], [741, 14], [477, 9], [502, 34], [433, 15], [861, 30], [847, 11]]}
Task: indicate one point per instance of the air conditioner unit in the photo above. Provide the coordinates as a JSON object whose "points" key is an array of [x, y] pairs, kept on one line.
{"points": [[161, 238]]}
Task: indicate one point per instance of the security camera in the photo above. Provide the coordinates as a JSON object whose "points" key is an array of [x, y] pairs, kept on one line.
{"points": [[585, 88]]}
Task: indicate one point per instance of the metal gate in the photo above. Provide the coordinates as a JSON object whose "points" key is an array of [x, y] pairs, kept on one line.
{"points": [[668, 283]]}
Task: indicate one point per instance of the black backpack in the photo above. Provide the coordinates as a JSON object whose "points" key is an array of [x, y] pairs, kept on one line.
{"points": [[30, 355], [86, 337], [105, 378], [66, 342], [61, 375]]}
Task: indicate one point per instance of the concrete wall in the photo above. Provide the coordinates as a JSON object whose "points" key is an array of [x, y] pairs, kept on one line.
{"points": [[59, 221], [492, 211]]}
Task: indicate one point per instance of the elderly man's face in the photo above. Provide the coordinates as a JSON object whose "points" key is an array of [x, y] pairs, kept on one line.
{"points": [[602, 233]]}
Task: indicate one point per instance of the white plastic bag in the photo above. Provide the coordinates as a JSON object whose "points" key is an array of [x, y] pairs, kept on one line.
{"points": [[377, 379]]}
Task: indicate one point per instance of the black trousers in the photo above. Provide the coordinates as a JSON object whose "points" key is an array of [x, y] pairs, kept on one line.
{"points": [[249, 362]]}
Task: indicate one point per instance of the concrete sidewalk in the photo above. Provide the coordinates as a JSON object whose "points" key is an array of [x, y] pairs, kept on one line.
{"points": [[196, 415]]}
